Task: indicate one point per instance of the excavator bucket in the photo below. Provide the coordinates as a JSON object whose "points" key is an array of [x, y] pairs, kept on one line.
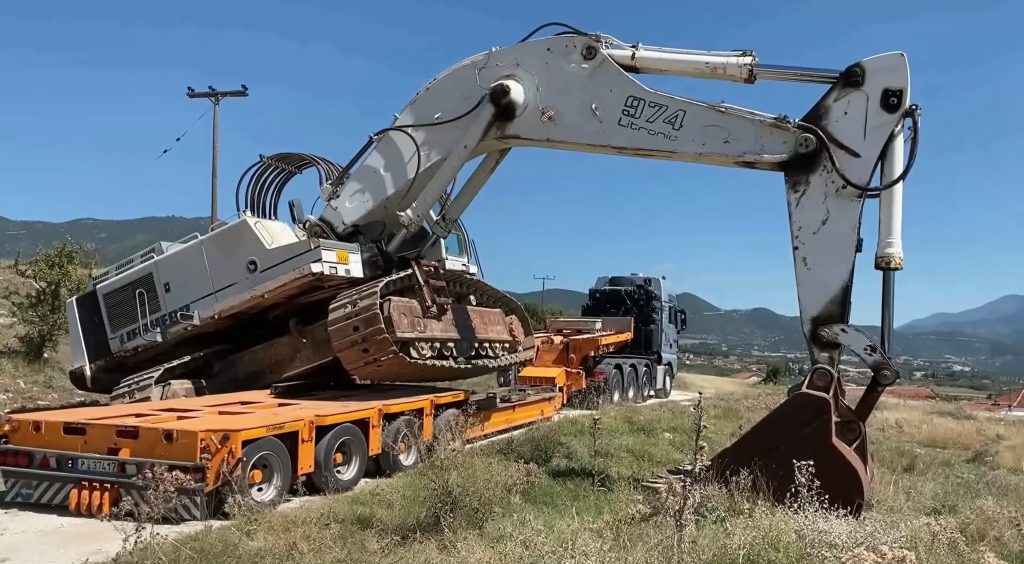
{"points": [[813, 425]]}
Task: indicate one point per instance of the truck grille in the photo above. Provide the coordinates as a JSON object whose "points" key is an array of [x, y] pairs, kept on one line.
{"points": [[122, 311]]}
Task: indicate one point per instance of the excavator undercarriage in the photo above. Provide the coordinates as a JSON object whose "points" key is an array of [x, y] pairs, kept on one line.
{"points": [[436, 327]]}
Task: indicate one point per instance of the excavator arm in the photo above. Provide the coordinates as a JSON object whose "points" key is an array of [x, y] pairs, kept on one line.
{"points": [[577, 92]]}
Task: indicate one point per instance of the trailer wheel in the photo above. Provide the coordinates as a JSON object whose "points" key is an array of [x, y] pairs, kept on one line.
{"points": [[505, 376], [339, 461], [400, 450], [630, 386], [646, 382], [613, 387], [447, 430], [266, 472]]}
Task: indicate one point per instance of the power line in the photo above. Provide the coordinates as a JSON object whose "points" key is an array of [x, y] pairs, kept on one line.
{"points": [[183, 134]]}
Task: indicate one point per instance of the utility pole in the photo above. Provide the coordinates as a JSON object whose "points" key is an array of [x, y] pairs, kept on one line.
{"points": [[543, 289], [215, 96]]}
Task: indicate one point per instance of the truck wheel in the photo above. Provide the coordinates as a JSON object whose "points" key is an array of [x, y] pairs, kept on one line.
{"points": [[666, 390], [400, 450], [646, 383], [631, 386], [266, 472], [613, 387], [339, 460]]}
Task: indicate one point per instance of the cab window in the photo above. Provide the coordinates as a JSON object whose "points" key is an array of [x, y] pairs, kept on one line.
{"points": [[453, 246]]}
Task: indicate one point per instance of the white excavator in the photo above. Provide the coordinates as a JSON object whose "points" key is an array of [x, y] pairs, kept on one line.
{"points": [[379, 286]]}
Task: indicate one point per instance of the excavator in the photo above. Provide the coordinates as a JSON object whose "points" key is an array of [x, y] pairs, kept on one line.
{"points": [[378, 287]]}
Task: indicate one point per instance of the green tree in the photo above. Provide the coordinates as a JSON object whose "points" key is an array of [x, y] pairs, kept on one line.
{"points": [[538, 317], [778, 371], [55, 275]]}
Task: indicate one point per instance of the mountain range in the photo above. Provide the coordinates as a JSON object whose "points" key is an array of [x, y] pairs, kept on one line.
{"points": [[113, 239], [989, 337]]}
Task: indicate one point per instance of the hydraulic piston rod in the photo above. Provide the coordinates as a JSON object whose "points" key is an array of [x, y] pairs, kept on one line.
{"points": [[736, 66]]}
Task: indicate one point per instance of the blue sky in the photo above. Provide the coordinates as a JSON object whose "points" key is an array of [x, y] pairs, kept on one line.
{"points": [[95, 90]]}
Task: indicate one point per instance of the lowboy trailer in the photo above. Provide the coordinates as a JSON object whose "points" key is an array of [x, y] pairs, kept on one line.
{"points": [[263, 443]]}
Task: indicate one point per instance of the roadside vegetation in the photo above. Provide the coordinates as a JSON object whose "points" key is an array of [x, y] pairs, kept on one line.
{"points": [[949, 487], [33, 326]]}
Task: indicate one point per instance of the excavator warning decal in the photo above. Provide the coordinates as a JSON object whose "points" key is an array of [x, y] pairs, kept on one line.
{"points": [[649, 112]]}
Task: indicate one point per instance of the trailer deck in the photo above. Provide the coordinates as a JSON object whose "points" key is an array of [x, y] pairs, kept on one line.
{"points": [[90, 458]]}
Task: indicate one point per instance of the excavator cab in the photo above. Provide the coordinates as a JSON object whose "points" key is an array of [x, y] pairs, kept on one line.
{"points": [[457, 252]]}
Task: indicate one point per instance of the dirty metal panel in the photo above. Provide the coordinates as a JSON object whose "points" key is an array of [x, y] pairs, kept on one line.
{"points": [[459, 322]]}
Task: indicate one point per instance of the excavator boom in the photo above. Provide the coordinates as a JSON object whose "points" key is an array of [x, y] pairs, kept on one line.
{"points": [[577, 92]]}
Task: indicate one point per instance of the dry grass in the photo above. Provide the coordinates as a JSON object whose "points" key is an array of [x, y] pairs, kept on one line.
{"points": [[548, 495], [993, 440], [33, 385]]}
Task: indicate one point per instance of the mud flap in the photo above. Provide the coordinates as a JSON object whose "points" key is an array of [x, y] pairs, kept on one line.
{"points": [[812, 425]]}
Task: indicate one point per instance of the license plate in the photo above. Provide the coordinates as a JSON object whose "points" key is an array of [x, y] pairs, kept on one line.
{"points": [[93, 465]]}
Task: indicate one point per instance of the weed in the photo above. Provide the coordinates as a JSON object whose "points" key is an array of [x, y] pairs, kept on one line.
{"points": [[136, 520]]}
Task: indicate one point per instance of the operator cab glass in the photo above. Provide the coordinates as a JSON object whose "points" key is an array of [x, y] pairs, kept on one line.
{"points": [[455, 246]]}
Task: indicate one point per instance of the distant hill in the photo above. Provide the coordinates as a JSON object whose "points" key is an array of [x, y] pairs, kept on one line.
{"points": [[1002, 318], [569, 301], [113, 239], [765, 330]]}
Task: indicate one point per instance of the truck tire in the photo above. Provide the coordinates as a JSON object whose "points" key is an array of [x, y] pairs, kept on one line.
{"points": [[613, 387], [339, 460], [666, 390], [630, 386], [646, 382], [400, 448], [266, 473]]}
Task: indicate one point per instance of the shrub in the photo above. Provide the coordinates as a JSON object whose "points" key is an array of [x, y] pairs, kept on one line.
{"points": [[55, 274]]}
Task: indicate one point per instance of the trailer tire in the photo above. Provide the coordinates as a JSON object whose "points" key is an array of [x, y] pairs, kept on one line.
{"points": [[448, 433], [504, 377], [400, 445], [631, 388], [268, 463], [613, 387], [646, 382], [347, 441]]}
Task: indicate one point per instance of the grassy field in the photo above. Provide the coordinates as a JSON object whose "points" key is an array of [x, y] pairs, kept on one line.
{"points": [[957, 392], [949, 487]]}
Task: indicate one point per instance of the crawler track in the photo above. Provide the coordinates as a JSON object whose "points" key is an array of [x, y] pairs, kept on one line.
{"points": [[364, 342]]}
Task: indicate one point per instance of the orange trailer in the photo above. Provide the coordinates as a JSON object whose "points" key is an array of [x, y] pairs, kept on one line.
{"points": [[265, 442]]}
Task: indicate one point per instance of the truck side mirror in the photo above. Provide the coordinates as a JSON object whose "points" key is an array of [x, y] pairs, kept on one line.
{"points": [[681, 320]]}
